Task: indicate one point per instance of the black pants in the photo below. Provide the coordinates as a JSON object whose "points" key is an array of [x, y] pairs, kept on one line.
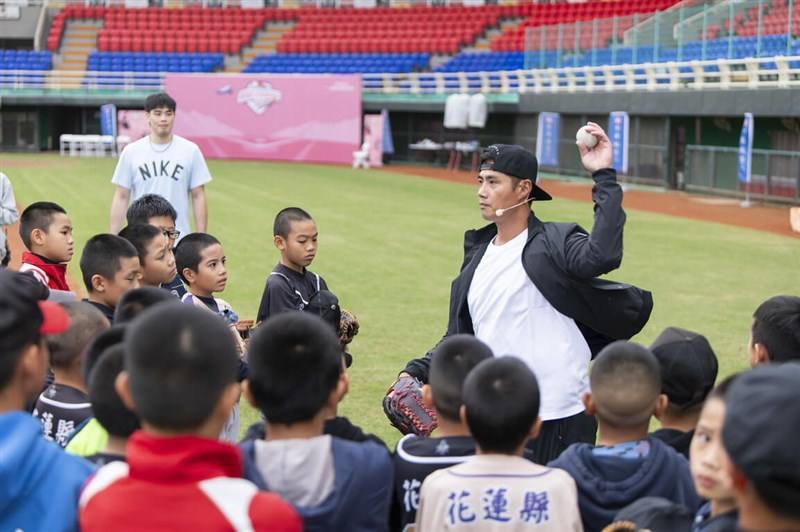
{"points": [[558, 434]]}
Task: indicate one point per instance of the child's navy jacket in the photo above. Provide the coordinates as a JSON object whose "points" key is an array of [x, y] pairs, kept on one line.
{"points": [[361, 496], [606, 484]]}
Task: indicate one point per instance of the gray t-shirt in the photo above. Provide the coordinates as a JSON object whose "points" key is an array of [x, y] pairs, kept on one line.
{"points": [[169, 170]]}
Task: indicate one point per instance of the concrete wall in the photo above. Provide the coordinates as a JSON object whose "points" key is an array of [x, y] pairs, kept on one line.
{"points": [[763, 102], [23, 27]]}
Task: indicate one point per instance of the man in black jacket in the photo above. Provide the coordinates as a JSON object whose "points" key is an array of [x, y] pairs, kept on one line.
{"points": [[529, 288]]}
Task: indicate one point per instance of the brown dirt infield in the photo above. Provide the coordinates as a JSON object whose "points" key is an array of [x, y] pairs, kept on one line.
{"points": [[761, 216]]}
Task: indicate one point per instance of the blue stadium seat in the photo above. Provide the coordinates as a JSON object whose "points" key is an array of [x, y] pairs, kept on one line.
{"points": [[154, 62], [742, 47], [339, 63], [25, 60]]}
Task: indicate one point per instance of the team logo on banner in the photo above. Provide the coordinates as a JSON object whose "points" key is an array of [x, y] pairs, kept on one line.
{"points": [[258, 96]]}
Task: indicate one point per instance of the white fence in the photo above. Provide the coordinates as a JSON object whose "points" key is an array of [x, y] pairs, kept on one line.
{"points": [[91, 145], [751, 73]]}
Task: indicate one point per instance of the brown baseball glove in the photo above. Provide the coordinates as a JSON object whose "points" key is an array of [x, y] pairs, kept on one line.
{"points": [[405, 409]]}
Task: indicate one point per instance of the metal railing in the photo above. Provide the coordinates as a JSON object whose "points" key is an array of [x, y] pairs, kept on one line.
{"points": [[659, 28], [775, 173], [61, 80], [693, 27], [750, 73], [688, 30]]}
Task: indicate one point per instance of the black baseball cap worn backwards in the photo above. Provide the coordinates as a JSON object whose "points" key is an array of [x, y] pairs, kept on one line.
{"points": [[516, 161], [688, 366]]}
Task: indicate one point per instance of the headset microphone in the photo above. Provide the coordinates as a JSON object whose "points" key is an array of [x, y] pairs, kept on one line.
{"points": [[501, 212]]}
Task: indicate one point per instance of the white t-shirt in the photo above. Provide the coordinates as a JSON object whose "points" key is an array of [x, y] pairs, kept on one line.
{"points": [[169, 170], [499, 493], [511, 315]]}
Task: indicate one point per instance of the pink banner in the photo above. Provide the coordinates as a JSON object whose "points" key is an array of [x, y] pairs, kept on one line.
{"points": [[132, 124], [373, 135], [269, 117]]}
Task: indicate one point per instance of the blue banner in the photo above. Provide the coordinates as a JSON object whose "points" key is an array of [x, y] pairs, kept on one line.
{"points": [[547, 139], [108, 120], [618, 133], [388, 143], [746, 148]]}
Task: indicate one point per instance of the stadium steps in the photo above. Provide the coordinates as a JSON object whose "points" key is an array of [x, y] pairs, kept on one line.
{"points": [[80, 39], [437, 60], [481, 44], [484, 44], [264, 43], [506, 25]]}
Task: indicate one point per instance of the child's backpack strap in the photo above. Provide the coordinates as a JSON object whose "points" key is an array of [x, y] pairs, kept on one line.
{"points": [[188, 299], [296, 291]]}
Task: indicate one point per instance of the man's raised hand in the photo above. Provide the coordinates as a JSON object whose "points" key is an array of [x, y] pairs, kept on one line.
{"points": [[601, 155]]}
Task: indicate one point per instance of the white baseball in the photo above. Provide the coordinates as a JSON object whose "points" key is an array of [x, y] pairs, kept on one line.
{"points": [[584, 137]]}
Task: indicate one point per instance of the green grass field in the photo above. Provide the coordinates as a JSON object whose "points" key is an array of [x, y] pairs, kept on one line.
{"points": [[390, 244]]}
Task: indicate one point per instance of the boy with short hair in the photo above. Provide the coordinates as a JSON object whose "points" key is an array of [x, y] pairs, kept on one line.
{"points": [[625, 465], [110, 267], [155, 253], [134, 302], [201, 264], [155, 210], [291, 285], [46, 231], [416, 457], [296, 378], [91, 437], [775, 332], [759, 433], [64, 405], [498, 489], [180, 377], [40, 483], [109, 410], [688, 371]]}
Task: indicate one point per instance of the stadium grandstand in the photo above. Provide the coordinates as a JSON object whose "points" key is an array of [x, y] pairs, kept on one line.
{"points": [[652, 58]]}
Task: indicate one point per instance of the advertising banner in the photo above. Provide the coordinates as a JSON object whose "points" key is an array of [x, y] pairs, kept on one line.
{"points": [[547, 139], [132, 124], [618, 134], [746, 149], [314, 118], [108, 119]]}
